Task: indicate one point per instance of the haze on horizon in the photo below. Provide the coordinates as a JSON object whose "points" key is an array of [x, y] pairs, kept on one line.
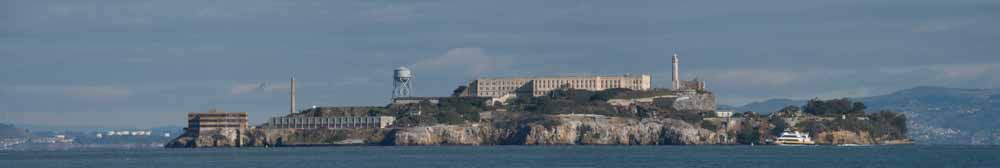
{"points": [[144, 63]]}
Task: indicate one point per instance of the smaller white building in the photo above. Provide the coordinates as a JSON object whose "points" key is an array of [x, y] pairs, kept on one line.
{"points": [[723, 114]]}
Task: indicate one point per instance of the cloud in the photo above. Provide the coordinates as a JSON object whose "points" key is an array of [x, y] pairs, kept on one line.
{"points": [[746, 85], [753, 77], [74, 91], [942, 25], [390, 12], [944, 71], [245, 88], [468, 61], [199, 48], [964, 70]]}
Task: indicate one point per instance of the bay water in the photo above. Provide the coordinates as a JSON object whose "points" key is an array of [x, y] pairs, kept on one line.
{"points": [[516, 156]]}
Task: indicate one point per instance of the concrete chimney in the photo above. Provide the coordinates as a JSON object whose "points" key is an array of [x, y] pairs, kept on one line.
{"points": [[291, 109]]}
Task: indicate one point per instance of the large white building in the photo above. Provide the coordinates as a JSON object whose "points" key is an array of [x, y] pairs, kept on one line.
{"points": [[539, 86]]}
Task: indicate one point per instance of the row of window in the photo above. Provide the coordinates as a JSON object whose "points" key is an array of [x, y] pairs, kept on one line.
{"points": [[325, 120], [219, 115], [365, 125], [215, 126], [502, 82], [218, 120]]}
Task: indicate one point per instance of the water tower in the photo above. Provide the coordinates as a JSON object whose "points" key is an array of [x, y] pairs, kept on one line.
{"points": [[401, 82]]}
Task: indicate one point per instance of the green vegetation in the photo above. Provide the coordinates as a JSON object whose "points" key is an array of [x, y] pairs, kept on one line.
{"points": [[779, 125], [375, 111], [570, 102], [709, 125], [456, 110], [688, 117], [846, 115], [834, 107], [748, 134], [620, 93]]}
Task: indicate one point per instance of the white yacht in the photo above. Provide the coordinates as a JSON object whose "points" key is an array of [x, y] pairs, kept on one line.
{"points": [[792, 138]]}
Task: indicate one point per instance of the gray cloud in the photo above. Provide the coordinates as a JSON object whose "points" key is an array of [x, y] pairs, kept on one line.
{"points": [[740, 86], [165, 58], [77, 92], [471, 61]]}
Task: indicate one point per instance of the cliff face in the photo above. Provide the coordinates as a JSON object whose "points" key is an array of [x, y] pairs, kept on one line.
{"points": [[617, 131], [450, 135], [570, 130]]}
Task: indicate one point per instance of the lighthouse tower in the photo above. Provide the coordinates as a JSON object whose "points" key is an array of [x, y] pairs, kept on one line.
{"points": [[675, 81]]}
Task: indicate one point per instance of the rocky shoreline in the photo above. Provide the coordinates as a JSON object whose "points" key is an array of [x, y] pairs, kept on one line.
{"points": [[556, 130]]}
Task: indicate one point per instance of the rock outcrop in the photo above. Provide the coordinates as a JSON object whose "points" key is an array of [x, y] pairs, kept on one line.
{"points": [[450, 135], [699, 102], [850, 137]]}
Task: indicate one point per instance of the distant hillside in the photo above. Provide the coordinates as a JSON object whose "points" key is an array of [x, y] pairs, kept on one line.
{"points": [[9, 131], [768, 106], [937, 115], [946, 115]]}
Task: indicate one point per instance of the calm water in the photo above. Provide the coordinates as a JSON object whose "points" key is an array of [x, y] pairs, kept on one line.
{"points": [[518, 156]]}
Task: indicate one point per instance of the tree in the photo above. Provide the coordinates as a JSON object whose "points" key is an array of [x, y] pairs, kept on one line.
{"points": [[779, 125], [833, 107], [790, 109], [460, 91], [375, 111], [748, 135], [889, 122], [858, 108]]}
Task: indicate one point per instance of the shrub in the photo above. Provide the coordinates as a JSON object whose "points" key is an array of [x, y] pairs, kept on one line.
{"points": [[747, 135], [834, 107], [709, 125], [688, 117]]}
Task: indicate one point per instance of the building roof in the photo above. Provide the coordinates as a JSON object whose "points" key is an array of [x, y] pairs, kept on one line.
{"points": [[567, 76]]}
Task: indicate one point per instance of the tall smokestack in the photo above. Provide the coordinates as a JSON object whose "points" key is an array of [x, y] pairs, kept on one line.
{"points": [[676, 82], [291, 109]]}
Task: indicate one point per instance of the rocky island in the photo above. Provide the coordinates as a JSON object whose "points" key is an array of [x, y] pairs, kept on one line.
{"points": [[559, 110], [574, 117]]}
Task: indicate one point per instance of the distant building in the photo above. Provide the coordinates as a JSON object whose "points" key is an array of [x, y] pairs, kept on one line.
{"points": [[212, 120], [540, 86], [723, 114], [51, 140], [345, 122]]}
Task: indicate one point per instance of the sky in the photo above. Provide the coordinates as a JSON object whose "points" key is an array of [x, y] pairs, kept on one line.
{"points": [[146, 63]]}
